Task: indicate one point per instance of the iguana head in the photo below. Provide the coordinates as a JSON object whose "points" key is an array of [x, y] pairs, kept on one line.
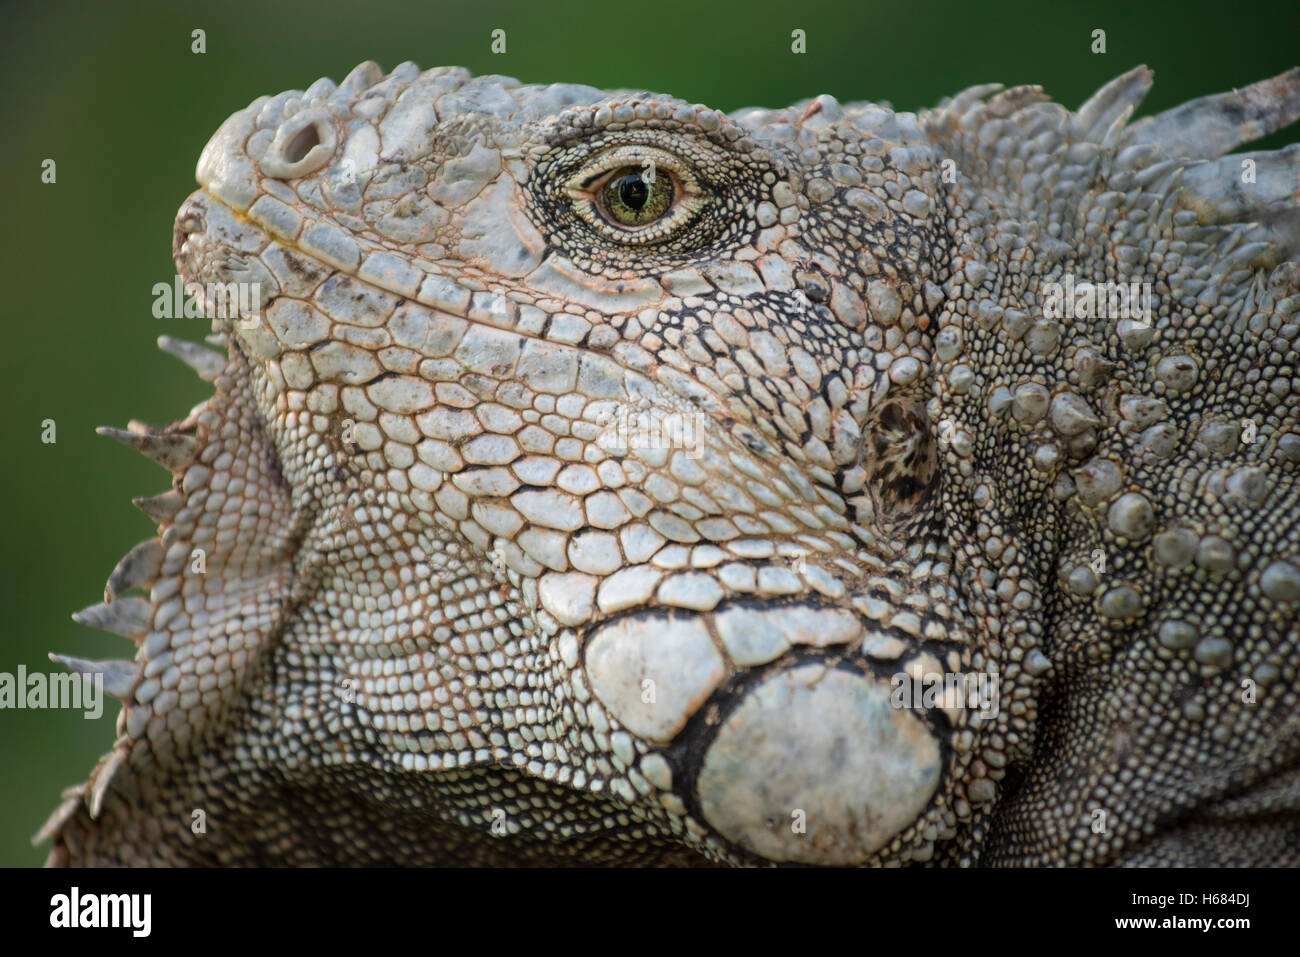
{"points": [[717, 472], [647, 384]]}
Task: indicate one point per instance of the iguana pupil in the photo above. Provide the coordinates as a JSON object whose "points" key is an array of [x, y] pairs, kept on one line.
{"points": [[633, 191]]}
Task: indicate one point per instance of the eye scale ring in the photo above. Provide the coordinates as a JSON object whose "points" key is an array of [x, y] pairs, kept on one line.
{"points": [[637, 195], [716, 189]]}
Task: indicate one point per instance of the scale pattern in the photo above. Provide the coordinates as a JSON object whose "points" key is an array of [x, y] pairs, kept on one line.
{"points": [[586, 469]]}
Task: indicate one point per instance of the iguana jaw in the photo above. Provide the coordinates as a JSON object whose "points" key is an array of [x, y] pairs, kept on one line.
{"points": [[776, 723]]}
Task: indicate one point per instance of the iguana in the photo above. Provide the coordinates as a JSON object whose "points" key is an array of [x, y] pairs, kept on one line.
{"points": [[592, 477]]}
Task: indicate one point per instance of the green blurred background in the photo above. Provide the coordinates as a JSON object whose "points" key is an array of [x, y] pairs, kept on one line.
{"points": [[114, 95]]}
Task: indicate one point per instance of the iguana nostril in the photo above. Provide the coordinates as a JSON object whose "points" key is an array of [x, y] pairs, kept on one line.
{"points": [[815, 766], [296, 150], [303, 144]]}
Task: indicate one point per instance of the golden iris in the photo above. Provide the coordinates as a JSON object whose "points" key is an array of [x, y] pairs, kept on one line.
{"points": [[632, 198]]}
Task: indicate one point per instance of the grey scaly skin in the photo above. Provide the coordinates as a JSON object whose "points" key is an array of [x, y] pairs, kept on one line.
{"points": [[437, 581]]}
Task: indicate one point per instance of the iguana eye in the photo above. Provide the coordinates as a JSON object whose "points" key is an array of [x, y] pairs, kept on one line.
{"points": [[637, 195]]}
